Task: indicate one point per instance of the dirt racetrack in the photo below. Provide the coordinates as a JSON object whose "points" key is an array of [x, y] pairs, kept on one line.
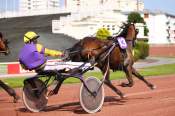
{"points": [[140, 101]]}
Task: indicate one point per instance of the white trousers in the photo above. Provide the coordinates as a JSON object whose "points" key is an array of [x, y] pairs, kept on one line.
{"points": [[62, 65]]}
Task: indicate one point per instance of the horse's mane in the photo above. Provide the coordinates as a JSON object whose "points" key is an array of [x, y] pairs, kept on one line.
{"points": [[124, 32]]}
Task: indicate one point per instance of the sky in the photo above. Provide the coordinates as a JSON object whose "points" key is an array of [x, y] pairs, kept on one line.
{"points": [[167, 6], [11, 5]]}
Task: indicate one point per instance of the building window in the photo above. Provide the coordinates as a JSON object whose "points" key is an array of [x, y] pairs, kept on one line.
{"points": [[167, 22], [113, 26], [146, 15]]}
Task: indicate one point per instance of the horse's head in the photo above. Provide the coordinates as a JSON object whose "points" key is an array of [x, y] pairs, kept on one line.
{"points": [[132, 32], [73, 53], [129, 32], [4, 46]]}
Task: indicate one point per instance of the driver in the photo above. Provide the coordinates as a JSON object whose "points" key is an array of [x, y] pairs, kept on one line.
{"points": [[33, 56]]}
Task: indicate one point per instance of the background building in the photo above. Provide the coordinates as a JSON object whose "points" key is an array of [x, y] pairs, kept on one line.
{"points": [[122, 5], [86, 16], [77, 5], [161, 27], [35, 5], [39, 7]]}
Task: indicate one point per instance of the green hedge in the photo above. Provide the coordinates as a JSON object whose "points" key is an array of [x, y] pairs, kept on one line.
{"points": [[141, 50]]}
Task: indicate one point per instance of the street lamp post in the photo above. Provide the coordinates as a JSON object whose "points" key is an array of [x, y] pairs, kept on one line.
{"points": [[13, 8], [5, 9], [137, 5]]}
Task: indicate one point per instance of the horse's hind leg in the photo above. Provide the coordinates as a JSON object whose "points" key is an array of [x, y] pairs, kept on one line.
{"points": [[139, 76]]}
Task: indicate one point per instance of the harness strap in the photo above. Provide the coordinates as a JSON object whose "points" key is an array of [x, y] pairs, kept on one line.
{"points": [[130, 42], [110, 50], [3, 51]]}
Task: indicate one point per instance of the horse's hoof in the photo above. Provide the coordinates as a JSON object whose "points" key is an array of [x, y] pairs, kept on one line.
{"points": [[123, 84], [126, 85], [16, 98], [123, 96], [153, 87]]}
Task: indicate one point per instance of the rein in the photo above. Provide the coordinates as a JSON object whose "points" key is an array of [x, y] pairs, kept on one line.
{"points": [[79, 51], [108, 52], [76, 51], [2, 51], [106, 48]]}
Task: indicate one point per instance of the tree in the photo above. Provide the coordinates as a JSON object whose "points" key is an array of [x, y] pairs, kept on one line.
{"points": [[135, 17], [146, 31]]}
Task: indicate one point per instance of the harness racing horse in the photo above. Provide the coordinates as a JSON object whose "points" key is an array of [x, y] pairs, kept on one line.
{"points": [[4, 45], [95, 50], [4, 49]]}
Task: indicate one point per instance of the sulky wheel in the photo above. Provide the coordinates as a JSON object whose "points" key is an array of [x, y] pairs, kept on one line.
{"points": [[33, 98], [92, 103]]}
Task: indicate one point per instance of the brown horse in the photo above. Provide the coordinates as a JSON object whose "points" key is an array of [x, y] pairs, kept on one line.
{"points": [[4, 49], [4, 45], [90, 49]]}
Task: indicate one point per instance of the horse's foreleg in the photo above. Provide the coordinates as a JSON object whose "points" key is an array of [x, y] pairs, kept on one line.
{"points": [[128, 72], [10, 91], [117, 91], [139, 76], [110, 85]]}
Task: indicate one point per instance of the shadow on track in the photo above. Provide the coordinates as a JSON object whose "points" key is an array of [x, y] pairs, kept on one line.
{"points": [[76, 107]]}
